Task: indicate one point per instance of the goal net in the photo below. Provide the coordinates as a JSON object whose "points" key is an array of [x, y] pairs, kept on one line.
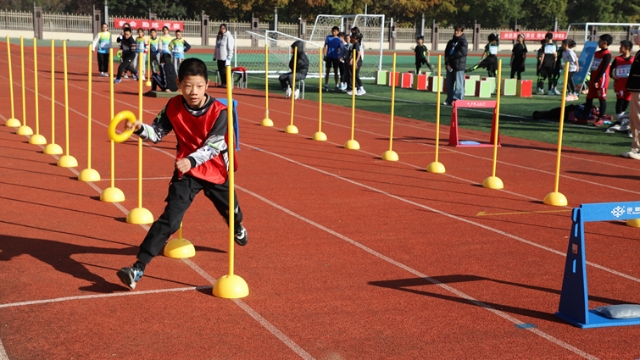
{"points": [[372, 29], [280, 53]]}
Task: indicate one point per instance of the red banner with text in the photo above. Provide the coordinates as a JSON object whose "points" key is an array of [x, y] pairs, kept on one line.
{"points": [[149, 24], [532, 35]]}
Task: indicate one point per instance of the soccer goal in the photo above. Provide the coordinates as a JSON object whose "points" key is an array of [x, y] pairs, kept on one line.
{"points": [[370, 25], [280, 53]]}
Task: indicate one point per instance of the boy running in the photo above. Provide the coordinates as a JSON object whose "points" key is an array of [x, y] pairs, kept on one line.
{"points": [[332, 53], [200, 126], [128, 48], [422, 55]]}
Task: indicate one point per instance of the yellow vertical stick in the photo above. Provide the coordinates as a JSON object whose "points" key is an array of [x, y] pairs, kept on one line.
{"points": [[292, 129], [556, 198], [437, 167], [24, 129], [391, 155], [66, 160], [148, 55], [53, 148], [89, 174], [319, 135], [140, 116], [494, 182], [12, 122], [36, 139], [266, 121], [352, 144], [231, 153]]}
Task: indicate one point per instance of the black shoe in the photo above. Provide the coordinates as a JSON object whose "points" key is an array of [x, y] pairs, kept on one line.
{"points": [[130, 276], [241, 235]]}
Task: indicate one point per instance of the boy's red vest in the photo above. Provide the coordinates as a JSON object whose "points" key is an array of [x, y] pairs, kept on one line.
{"points": [[192, 132]]}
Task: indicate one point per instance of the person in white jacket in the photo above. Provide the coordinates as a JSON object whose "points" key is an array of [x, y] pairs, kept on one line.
{"points": [[224, 52]]}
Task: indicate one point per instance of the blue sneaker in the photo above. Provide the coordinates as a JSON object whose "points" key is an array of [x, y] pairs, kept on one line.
{"points": [[130, 276], [117, 81], [135, 78]]}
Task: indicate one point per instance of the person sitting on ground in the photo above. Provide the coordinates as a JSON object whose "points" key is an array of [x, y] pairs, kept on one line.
{"points": [[165, 78], [302, 67]]}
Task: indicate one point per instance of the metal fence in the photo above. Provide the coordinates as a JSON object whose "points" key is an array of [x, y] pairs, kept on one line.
{"points": [[17, 20]]}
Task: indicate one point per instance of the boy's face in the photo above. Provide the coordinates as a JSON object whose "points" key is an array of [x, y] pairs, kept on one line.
{"points": [[623, 49], [458, 32], [104, 28], [153, 33], [165, 31], [178, 34], [602, 44], [127, 34], [193, 90], [140, 33], [335, 33], [420, 41]]}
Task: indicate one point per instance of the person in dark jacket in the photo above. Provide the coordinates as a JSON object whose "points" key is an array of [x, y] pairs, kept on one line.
{"points": [[165, 78], [456, 61], [633, 86], [302, 67], [128, 46]]}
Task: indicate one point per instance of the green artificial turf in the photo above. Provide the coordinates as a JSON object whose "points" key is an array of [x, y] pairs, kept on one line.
{"points": [[515, 113]]}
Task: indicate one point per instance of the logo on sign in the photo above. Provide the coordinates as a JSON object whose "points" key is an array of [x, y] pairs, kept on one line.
{"points": [[618, 211]]}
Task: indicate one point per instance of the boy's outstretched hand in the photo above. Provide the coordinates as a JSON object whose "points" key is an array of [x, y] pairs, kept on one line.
{"points": [[183, 165], [135, 126]]}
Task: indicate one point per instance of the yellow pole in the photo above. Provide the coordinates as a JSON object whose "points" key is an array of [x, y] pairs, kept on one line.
{"points": [[319, 135], [66, 160], [53, 148], [231, 147], [437, 167], [292, 129], [494, 182], [12, 122], [391, 155], [266, 121], [89, 174], [556, 198], [36, 139], [24, 129], [148, 55], [352, 144], [111, 115], [139, 138]]}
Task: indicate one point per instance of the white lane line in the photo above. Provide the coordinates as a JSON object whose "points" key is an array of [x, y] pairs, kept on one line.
{"points": [[250, 311], [3, 353], [99, 296], [440, 212], [448, 288]]}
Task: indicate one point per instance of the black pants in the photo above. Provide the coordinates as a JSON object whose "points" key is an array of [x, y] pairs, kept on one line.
{"points": [[588, 105], [337, 69], [157, 82], [182, 191], [349, 71], [621, 106], [127, 65], [103, 62], [155, 63], [571, 86], [222, 69], [286, 80]]}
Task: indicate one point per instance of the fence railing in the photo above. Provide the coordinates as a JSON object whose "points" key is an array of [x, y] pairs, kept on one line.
{"points": [[73, 23]]}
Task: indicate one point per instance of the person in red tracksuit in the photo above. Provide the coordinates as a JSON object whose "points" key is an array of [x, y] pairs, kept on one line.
{"points": [[620, 73], [599, 79], [200, 126]]}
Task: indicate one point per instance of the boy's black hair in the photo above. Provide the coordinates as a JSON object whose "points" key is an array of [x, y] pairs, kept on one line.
{"points": [[140, 29], [335, 28], [179, 31], [152, 29], [127, 29], [166, 58], [193, 67], [420, 38], [165, 27], [342, 34], [103, 24], [626, 43], [492, 37], [570, 43], [548, 36], [458, 27], [606, 38], [355, 30]]}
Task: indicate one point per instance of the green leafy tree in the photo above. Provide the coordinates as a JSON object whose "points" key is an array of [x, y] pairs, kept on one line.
{"points": [[541, 14]]}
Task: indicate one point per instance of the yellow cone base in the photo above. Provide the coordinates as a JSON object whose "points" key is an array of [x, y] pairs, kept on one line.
{"points": [[267, 122], [231, 287], [436, 168], [24, 130], [390, 155], [37, 139], [320, 136], [67, 161], [493, 182], [179, 249], [352, 145], [148, 83], [291, 129], [112, 195], [89, 175], [13, 123], [633, 223], [139, 216], [53, 149], [555, 199]]}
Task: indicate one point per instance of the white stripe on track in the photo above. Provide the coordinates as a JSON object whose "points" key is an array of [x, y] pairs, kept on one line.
{"points": [[448, 288], [241, 304]]}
